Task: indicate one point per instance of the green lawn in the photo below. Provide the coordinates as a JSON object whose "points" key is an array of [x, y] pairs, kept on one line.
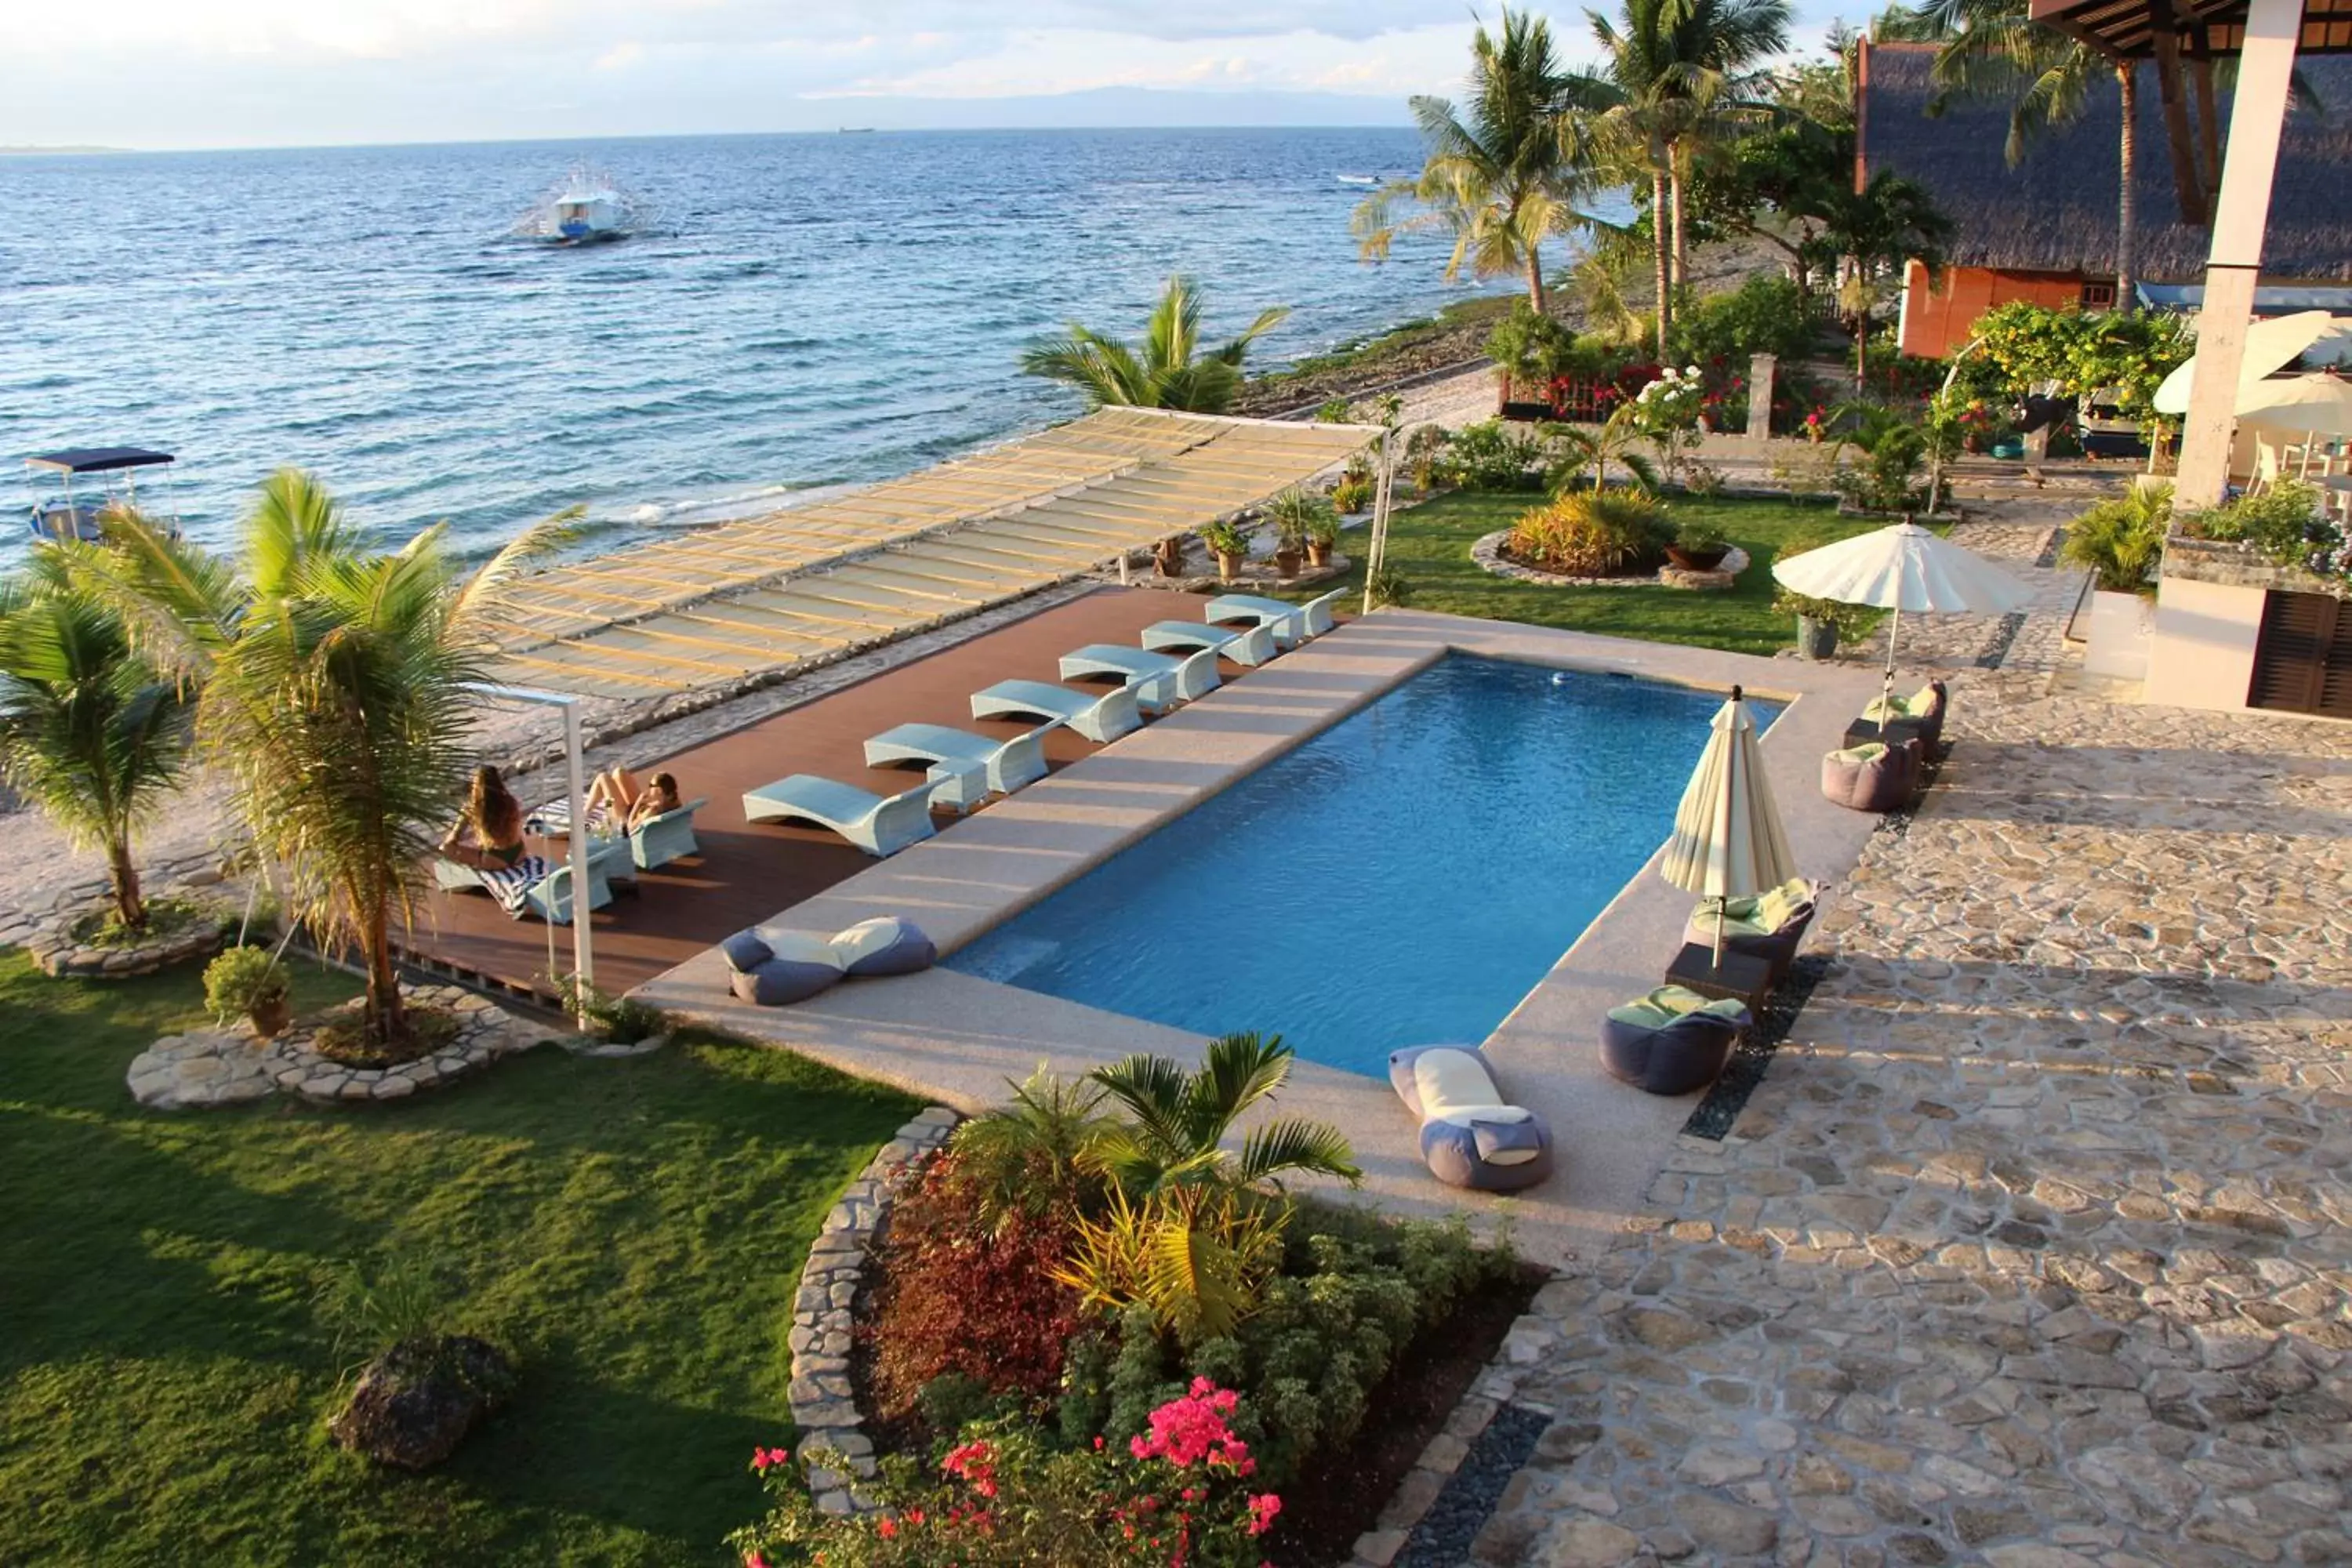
{"points": [[1429, 543], [631, 1229]]}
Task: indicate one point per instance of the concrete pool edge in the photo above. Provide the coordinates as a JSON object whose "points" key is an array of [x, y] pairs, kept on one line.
{"points": [[958, 1038]]}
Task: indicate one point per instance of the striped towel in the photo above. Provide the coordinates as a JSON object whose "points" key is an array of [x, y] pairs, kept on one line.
{"points": [[554, 820], [512, 886]]}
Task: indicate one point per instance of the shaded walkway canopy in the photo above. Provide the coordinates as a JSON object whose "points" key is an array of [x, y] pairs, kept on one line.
{"points": [[765, 594]]}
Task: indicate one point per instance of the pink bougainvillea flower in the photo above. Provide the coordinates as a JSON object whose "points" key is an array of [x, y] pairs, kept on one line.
{"points": [[1262, 1510], [887, 1528]]}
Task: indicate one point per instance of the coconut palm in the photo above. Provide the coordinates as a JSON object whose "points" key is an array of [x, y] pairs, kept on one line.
{"points": [[1503, 169], [1167, 369], [331, 681], [89, 732], [1677, 79], [1178, 1121]]}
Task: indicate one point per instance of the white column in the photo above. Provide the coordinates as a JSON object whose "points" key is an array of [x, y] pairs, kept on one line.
{"points": [[2257, 112], [577, 798]]}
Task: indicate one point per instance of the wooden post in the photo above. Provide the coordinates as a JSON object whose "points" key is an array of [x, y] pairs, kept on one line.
{"points": [[1761, 372], [2257, 116]]}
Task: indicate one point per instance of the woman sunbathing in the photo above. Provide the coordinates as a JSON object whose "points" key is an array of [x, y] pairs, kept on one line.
{"points": [[493, 820], [618, 795]]}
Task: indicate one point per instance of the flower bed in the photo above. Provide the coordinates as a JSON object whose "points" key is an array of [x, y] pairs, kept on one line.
{"points": [[1030, 1368]]}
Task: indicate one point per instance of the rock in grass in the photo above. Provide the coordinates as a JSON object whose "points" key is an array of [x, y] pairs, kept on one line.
{"points": [[415, 1403]]}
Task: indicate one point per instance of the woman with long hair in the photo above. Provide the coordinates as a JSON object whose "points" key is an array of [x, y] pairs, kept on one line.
{"points": [[492, 820]]}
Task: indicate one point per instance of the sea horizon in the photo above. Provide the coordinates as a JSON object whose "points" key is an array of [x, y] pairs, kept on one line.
{"points": [[805, 311]]}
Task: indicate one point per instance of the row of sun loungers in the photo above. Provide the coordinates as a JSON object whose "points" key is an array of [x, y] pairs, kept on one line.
{"points": [[1176, 664]]}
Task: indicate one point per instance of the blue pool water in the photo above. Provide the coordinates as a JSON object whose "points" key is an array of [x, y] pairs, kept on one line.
{"points": [[1403, 878]]}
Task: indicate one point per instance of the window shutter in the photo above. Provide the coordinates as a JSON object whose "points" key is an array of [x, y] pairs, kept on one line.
{"points": [[2303, 661]]}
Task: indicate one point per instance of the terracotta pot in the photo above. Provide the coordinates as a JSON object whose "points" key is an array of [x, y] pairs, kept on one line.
{"points": [[1286, 563], [1697, 560], [1317, 553], [1228, 567], [271, 1017]]}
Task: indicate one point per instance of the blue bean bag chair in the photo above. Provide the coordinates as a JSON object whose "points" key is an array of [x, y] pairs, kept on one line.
{"points": [[887, 945], [1672, 1041], [1469, 1137], [786, 966]]}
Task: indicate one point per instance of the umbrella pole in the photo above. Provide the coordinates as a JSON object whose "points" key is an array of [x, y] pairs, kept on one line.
{"points": [[1886, 689]]}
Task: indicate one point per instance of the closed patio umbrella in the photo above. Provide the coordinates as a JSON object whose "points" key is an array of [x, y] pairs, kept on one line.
{"points": [[1728, 842], [1902, 567]]}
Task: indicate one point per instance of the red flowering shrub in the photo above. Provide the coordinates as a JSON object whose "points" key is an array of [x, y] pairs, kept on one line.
{"points": [[1178, 1498], [955, 1296]]}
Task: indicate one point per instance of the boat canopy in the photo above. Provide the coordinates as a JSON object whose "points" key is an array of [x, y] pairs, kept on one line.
{"points": [[97, 460]]}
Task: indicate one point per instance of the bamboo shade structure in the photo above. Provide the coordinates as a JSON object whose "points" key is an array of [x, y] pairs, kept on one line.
{"points": [[765, 594]]}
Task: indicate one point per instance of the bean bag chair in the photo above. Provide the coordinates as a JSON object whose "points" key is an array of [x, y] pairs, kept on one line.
{"points": [[1920, 714], [782, 967], [1872, 777], [884, 945], [1672, 1041], [1768, 926], [1469, 1137]]}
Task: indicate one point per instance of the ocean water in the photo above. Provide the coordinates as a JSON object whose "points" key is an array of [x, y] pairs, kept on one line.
{"points": [[1404, 878], [807, 311]]}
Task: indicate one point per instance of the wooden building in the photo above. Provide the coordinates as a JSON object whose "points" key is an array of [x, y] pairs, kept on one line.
{"points": [[2045, 229]]}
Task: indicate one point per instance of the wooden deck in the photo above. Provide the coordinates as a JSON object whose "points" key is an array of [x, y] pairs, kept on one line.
{"points": [[747, 872]]}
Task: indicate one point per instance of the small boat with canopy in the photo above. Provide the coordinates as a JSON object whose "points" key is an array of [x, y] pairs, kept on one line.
{"points": [[109, 479]]}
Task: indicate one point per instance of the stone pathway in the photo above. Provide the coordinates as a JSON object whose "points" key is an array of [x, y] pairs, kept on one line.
{"points": [[2031, 1249]]}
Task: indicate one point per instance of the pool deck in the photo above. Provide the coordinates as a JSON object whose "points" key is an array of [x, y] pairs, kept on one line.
{"points": [[958, 1038]]}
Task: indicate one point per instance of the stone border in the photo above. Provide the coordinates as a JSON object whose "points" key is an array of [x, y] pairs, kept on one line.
{"points": [[60, 955], [212, 1067], [1488, 554], [823, 1400]]}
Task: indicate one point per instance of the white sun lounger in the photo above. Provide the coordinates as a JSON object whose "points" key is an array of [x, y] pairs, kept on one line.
{"points": [[1291, 624], [1099, 719], [877, 824], [1245, 645], [1160, 680], [1010, 763]]}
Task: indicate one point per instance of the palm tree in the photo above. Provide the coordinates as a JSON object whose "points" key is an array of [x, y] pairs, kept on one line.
{"points": [[332, 687], [1503, 171], [1166, 370], [89, 732], [1676, 81], [1179, 1121], [1036, 1153]]}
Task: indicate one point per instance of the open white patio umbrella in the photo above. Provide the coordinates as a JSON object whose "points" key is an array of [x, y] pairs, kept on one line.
{"points": [[1728, 842], [2270, 345], [1902, 567], [2309, 405]]}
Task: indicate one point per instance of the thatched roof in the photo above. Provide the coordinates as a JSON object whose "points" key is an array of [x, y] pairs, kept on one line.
{"points": [[2056, 210]]}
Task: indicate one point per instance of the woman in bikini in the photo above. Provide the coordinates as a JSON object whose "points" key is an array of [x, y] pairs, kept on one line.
{"points": [[619, 795], [493, 820]]}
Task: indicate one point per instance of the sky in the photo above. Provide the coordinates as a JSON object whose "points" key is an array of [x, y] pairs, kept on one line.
{"points": [[164, 74]]}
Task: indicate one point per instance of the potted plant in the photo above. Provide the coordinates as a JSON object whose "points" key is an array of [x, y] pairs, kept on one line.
{"points": [[1229, 542], [1168, 556], [2120, 543], [1322, 537], [250, 981], [1295, 514], [1698, 547]]}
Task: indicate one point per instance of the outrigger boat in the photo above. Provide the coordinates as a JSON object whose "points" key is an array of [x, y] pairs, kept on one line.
{"points": [[84, 517]]}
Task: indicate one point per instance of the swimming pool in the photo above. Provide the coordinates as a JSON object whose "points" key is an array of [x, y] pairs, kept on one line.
{"points": [[1405, 877]]}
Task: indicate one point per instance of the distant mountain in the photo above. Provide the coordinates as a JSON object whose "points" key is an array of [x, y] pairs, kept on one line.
{"points": [[6, 151], [1102, 108]]}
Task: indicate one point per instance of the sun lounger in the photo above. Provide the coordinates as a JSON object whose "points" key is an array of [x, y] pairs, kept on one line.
{"points": [[1469, 1137], [1160, 680], [653, 843], [1009, 763], [1245, 645], [532, 885], [877, 824], [1099, 719], [1291, 624]]}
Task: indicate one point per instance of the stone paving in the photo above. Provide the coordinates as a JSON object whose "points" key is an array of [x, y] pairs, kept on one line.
{"points": [[2030, 1247]]}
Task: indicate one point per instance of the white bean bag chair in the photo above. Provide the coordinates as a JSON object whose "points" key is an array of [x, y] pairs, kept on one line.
{"points": [[1469, 1137]]}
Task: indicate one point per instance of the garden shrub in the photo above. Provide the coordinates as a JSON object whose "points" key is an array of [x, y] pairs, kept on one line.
{"points": [[1490, 456], [1765, 315], [1592, 533], [1851, 620], [957, 1296], [1184, 1491], [2284, 522]]}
